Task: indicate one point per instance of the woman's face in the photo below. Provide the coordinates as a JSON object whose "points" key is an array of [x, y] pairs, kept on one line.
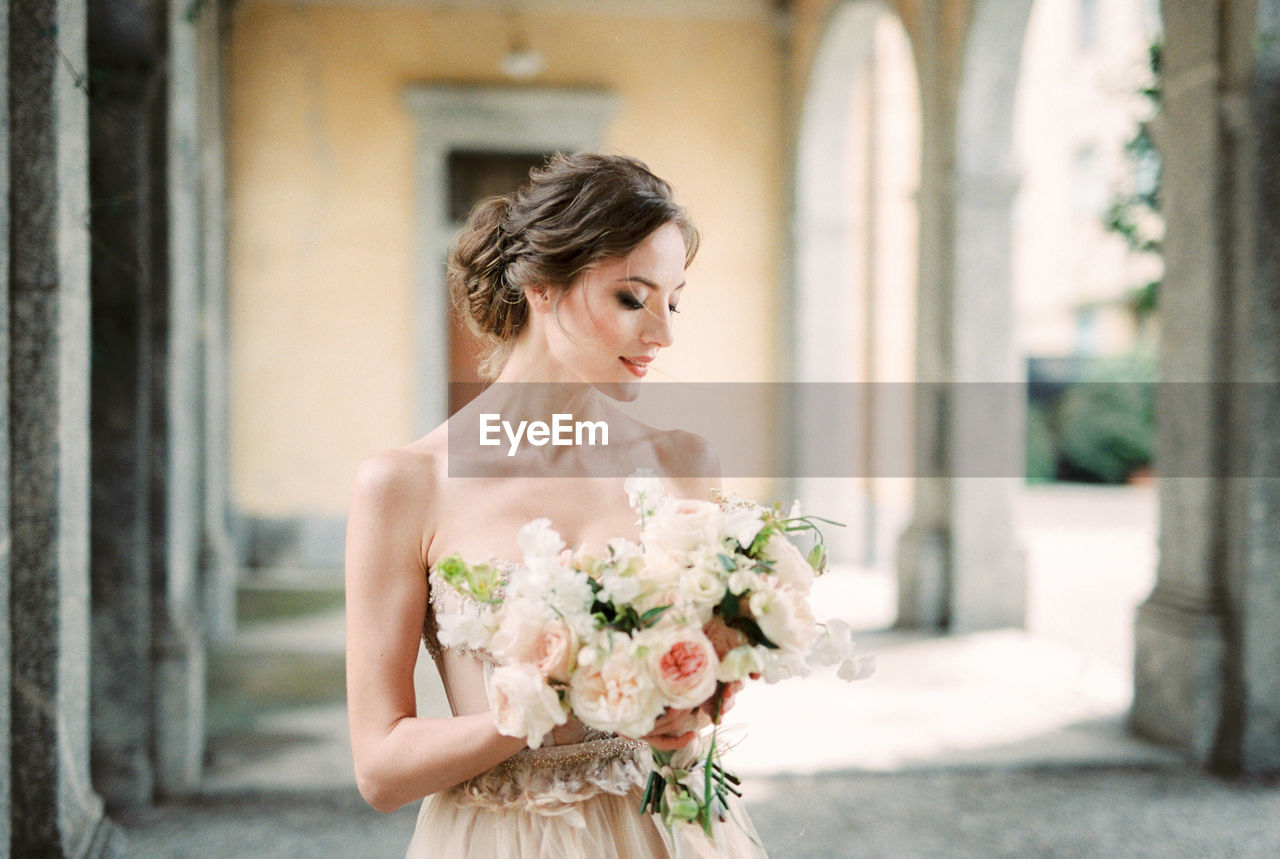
{"points": [[617, 315]]}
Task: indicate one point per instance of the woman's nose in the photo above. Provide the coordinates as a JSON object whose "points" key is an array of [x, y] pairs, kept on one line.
{"points": [[659, 331]]}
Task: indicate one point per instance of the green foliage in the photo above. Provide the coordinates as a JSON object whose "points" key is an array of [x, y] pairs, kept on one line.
{"points": [[1107, 428], [1101, 429], [1042, 447], [1134, 213]]}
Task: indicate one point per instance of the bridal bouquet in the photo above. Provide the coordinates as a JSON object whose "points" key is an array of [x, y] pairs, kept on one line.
{"points": [[714, 593]]}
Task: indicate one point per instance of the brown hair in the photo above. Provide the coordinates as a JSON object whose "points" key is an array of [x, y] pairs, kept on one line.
{"points": [[575, 211]]}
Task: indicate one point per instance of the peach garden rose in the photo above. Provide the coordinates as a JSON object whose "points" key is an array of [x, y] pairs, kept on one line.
{"points": [[682, 663]]}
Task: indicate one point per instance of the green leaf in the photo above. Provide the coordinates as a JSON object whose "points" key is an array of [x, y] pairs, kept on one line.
{"points": [[728, 563], [729, 606], [651, 616], [748, 627]]}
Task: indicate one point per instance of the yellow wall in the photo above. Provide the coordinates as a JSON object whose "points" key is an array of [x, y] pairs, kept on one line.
{"points": [[322, 210]]}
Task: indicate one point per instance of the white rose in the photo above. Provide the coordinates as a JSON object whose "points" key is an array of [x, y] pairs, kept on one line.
{"points": [[615, 694], [519, 622], [523, 704], [682, 663], [784, 616], [702, 587], [554, 649], [789, 566], [743, 524], [681, 525], [539, 541], [665, 595]]}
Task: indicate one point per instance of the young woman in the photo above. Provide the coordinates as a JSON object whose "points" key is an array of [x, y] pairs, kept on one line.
{"points": [[573, 282]]}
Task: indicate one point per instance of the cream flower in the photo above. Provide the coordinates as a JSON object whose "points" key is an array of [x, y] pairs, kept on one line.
{"points": [[682, 525], [523, 704], [644, 491], [539, 541], [835, 646], [781, 664], [618, 588], [743, 524], [789, 566], [701, 586], [742, 580], [615, 694], [519, 623], [784, 616], [469, 627], [554, 650], [740, 663]]}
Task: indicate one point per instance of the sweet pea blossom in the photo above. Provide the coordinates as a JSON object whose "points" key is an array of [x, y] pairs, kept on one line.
{"points": [[643, 490], [539, 541]]}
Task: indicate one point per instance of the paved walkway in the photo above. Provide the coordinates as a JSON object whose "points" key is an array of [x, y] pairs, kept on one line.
{"points": [[1003, 743]]}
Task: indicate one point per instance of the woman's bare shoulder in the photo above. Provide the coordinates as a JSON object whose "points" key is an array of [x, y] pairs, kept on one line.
{"points": [[688, 462], [403, 473]]}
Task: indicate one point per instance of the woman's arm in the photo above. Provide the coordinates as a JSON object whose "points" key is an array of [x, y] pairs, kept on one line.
{"points": [[398, 756]]}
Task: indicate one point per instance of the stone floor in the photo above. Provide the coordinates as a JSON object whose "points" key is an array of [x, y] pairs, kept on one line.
{"points": [[1002, 743]]}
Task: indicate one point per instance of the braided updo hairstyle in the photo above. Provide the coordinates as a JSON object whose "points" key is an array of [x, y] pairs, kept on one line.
{"points": [[575, 211]]}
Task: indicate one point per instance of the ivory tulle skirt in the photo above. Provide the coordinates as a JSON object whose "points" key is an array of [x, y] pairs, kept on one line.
{"points": [[569, 802]]}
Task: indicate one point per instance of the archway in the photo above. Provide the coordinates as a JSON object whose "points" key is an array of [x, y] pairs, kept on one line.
{"points": [[855, 250]]}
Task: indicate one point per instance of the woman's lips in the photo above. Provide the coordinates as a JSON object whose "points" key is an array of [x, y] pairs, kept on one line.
{"points": [[638, 366]]}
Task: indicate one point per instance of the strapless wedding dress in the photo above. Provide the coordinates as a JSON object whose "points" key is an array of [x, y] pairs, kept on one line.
{"points": [[563, 801]]}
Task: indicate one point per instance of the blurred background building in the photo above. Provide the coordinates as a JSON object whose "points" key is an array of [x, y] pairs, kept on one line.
{"points": [[226, 230]]}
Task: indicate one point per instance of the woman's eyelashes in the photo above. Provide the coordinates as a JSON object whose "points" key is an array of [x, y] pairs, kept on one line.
{"points": [[631, 302]]}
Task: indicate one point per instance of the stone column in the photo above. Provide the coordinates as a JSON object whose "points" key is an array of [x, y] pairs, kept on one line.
{"points": [[1207, 640], [1179, 635], [6, 499], [127, 179], [219, 569], [987, 414], [960, 565], [924, 549], [179, 647], [1251, 742], [53, 810]]}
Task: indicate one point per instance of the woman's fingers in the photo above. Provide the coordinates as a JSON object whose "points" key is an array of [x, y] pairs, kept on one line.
{"points": [[671, 742]]}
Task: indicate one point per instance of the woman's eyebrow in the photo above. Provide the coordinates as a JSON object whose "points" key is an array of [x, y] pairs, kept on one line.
{"points": [[632, 278]]}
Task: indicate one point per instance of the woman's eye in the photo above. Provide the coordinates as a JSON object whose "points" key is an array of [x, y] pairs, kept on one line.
{"points": [[672, 308], [630, 301]]}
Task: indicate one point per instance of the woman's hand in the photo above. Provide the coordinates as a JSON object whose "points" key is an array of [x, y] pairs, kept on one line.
{"points": [[676, 729]]}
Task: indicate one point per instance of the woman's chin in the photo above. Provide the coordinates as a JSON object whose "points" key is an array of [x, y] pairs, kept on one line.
{"points": [[624, 392]]}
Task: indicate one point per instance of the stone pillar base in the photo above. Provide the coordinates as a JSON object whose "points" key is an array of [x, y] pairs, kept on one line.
{"points": [[1178, 657], [922, 578]]}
